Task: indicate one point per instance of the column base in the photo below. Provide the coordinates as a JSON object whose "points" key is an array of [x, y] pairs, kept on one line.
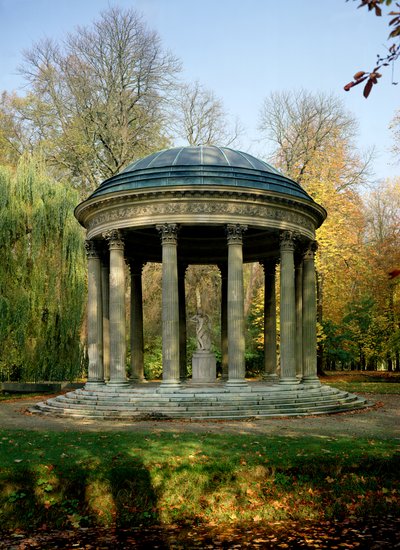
{"points": [[94, 384], [311, 380], [170, 385], [287, 381], [236, 383], [270, 377], [118, 383], [140, 380]]}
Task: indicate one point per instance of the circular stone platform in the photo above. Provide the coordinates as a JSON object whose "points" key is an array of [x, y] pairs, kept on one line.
{"points": [[210, 401]]}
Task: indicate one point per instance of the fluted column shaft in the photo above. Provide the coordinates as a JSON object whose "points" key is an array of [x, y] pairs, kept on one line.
{"points": [[105, 291], [117, 308], [182, 322], [236, 340], [288, 310], [299, 318], [269, 321], [224, 322], [137, 357], [309, 316], [94, 315], [170, 305]]}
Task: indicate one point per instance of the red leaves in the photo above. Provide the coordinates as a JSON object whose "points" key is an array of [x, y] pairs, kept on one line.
{"points": [[358, 75], [394, 50], [367, 88], [361, 76]]}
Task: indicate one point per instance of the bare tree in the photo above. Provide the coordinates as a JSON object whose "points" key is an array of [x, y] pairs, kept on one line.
{"points": [[302, 125], [200, 118], [100, 94]]}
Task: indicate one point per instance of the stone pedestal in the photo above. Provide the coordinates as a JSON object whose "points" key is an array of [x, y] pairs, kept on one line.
{"points": [[204, 367]]}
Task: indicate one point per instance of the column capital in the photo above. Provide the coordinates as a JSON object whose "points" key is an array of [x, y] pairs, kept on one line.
{"points": [[168, 232], [288, 240], [114, 239], [269, 266], [310, 250], [92, 249], [234, 233], [135, 266]]}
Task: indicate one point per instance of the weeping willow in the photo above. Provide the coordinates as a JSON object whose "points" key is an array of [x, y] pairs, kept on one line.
{"points": [[42, 276]]}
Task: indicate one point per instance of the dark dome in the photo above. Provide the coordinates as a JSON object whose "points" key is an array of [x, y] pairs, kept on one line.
{"points": [[201, 165]]}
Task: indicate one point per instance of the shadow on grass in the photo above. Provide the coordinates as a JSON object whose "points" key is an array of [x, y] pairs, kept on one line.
{"points": [[77, 495]]}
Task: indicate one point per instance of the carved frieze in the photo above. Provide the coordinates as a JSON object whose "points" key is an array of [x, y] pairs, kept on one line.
{"points": [[255, 209]]}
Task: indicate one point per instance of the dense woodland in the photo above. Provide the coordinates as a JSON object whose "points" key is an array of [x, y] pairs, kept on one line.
{"points": [[110, 94]]}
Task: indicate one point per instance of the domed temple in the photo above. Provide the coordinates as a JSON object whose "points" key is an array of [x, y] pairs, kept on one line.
{"points": [[200, 205]]}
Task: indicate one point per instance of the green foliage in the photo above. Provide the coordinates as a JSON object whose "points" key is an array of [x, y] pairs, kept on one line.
{"points": [[153, 359], [365, 338], [127, 479], [42, 276]]}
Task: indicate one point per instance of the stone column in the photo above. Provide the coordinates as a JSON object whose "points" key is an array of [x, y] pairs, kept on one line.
{"points": [[224, 322], [309, 317], [236, 341], [137, 359], [170, 305], [299, 317], [117, 308], [270, 363], [288, 310], [182, 322], [94, 316], [105, 291]]}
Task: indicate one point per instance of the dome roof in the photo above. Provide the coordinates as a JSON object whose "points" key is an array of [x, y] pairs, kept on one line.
{"points": [[197, 166]]}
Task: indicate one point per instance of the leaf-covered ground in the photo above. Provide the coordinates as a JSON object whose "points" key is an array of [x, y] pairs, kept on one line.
{"points": [[379, 533]]}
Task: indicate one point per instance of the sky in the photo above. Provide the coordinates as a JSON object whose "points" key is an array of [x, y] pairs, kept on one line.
{"points": [[242, 50]]}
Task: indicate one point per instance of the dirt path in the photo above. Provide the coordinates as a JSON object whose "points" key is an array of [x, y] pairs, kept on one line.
{"points": [[381, 421]]}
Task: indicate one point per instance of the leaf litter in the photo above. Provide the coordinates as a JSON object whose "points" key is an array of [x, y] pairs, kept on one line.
{"points": [[378, 533]]}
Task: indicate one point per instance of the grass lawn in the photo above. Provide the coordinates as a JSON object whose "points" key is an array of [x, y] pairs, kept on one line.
{"points": [[128, 479], [364, 381]]}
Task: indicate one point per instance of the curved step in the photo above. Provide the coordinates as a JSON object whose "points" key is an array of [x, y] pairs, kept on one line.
{"points": [[200, 403]]}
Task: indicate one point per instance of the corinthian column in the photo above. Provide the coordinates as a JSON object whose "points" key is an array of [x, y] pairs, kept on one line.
{"points": [[236, 341], [170, 305], [137, 363], [288, 310], [224, 322], [94, 316], [269, 321], [117, 308], [182, 321], [309, 316], [299, 318], [105, 291]]}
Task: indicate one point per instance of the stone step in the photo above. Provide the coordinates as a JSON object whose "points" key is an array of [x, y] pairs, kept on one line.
{"points": [[111, 403], [207, 415], [206, 411], [203, 403], [157, 398]]}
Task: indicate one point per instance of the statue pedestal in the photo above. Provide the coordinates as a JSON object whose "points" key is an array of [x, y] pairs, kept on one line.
{"points": [[204, 367]]}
